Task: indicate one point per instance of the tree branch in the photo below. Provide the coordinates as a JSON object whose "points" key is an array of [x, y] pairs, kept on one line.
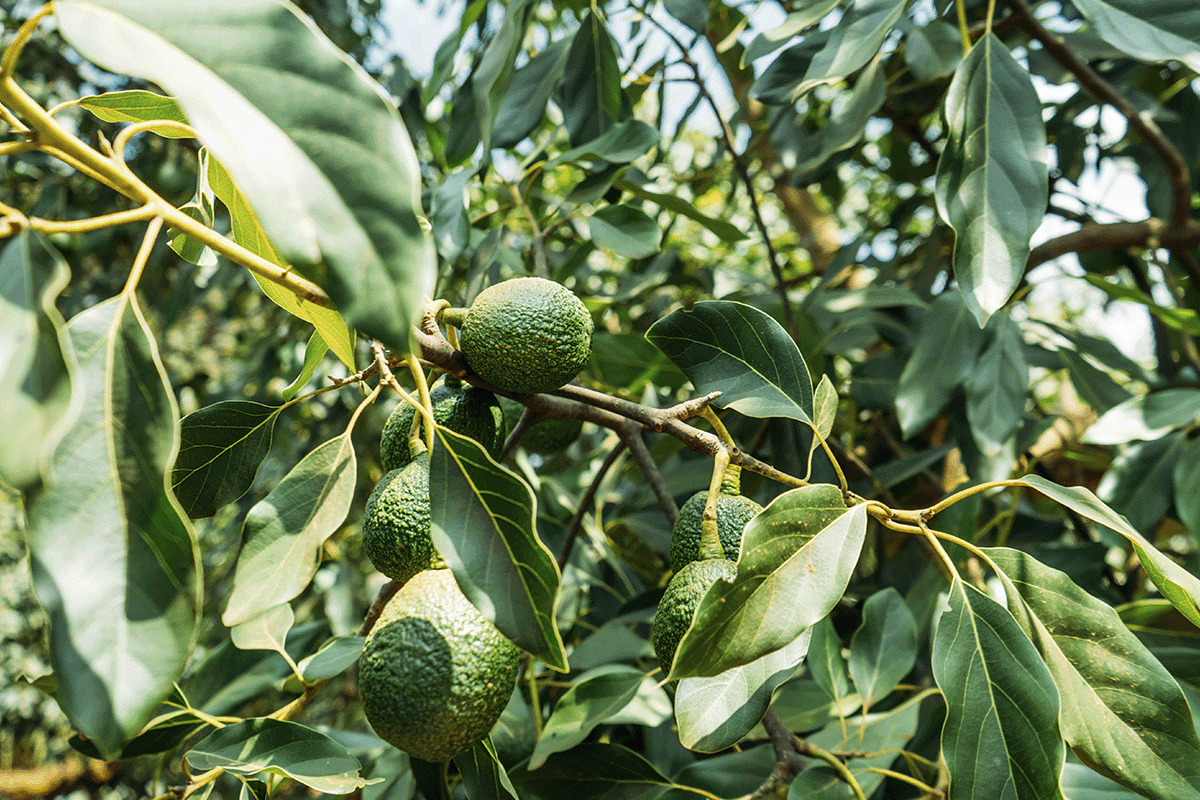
{"points": [[1118, 236]]}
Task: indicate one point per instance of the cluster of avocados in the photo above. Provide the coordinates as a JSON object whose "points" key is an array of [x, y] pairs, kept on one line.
{"points": [[435, 674]]}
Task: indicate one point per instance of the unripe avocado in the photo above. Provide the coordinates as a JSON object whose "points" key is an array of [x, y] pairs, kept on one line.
{"points": [[733, 512], [679, 602], [526, 335], [396, 522], [468, 410], [435, 674]]}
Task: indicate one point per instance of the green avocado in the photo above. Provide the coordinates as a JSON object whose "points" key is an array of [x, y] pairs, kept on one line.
{"points": [[526, 335], [435, 674], [733, 512], [396, 522], [468, 410], [679, 602]]}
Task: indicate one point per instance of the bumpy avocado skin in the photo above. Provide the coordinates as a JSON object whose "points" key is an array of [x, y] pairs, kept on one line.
{"points": [[679, 602], [733, 512], [396, 522], [527, 335], [468, 410], [435, 674]]}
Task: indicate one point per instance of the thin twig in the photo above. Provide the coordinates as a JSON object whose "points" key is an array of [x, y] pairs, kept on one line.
{"points": [[787, 766], [589, 497], [641, 454]]}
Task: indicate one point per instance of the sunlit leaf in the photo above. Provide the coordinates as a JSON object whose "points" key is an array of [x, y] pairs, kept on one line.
{"points": [[334, 657], [136, 105], [314, 353], [264, 745], [724, 230], [484, 526], [1145, 30], [735, 349], [992, 181], [620, 144], [593, 697], [1001, 737], [884, 648], [284, 532], [848, 122], [220, 449], [802, 16], [115, 564], [931, 51], [316, 145], [626, 230], [1146, 416], [797, 557], [1121, 712], [483, 776], [267, 631]]}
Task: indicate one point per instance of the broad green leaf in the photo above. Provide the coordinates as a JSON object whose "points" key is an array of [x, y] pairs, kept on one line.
{"points": [[495, 70], [992, 181], [931, 51], [255, 746], [590, 770], [115, 563], [797, 557], [1186, 481], [136, 105], [716, 713], [735, 349], [483, 776], [267, 631], [884, 648], [997, 386], [334, 657], [732, 775], [650, 706], [826, 665], [943, 356], [819, 782], [1181, 319], [1146, 416], [847, 122], [220, 449], [284, 533], [622, 143], [1147, 31], [484, 526], [724, 230], [878, 735], [315, 144], [1094, 385], [249, 234], [594, 697], [825, 403], [529, 89], [626, 230], [35, 382], [802, 16], [1000, 739], [314, 353], [1122, 712], [693, 13], [1174, 582], [591, 97], [1138, 484], [628, 360]]}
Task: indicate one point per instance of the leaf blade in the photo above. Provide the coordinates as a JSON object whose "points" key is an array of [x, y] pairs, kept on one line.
{"points": [[221, 448]]}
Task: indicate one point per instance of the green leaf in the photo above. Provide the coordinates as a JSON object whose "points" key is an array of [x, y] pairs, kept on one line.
{"points": [[884, 648], [724, 230], [715, 713], [732, 775], [803, 15], [931, 51], [136, 105], [1122, 712], [1144, 30], [878, 736], [484, 526], [622, 143], [591, 97], [997, 386], [1093, 385], [992, 182], [943, 356], [820, 782], [593, 697], [255, 746], [249, 234], [284, 533], [825, 404], [335, 656], [529, 89], [826, 665], [590, 770], [1180, 319], [483, 775], [1138, 484], [495, 70], [626, 230], [1174, 582], [797, 557], [267, 631], [314, 353], [35, 381], [692, 13], [1000, 738], [220, 449], [1146, 416], [735, 349], [316, 145], [848, 122], [1186, 481], [115, 564]]}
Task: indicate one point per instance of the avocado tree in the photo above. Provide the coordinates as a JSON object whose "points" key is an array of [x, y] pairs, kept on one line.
{"points": [[935, 534]]}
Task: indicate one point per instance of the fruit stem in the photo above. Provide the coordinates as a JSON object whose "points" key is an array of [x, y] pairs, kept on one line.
{"points": [[710, 537], [731, 482], [453, 316], [423, 396]]}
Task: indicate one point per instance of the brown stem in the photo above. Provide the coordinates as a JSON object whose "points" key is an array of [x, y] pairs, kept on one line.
{"points": [[1118, 236], [585, 503], [787, 766], [632, 438], [386, 593]]}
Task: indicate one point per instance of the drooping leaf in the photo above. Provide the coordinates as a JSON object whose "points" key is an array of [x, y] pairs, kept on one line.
{"points": [[265, 745], [314, 353], [1186, 481], [267, 631], [693, 13], [529, 89], [484, 777], [1001, 737], [590, 770], [626, 230], [484, 526], [825, 663], [136, 105], [1138, 483], [992, 180], [1181, 319], [943, 357], [1144, 30], [1121, 711], [724, 230], [1146, 416], [796, 559], [35, 383], [884, 648], [115, 564], [848, 122], [334, 657], [1174, 582], [715, 713], [622, 143], [1093, 385], [802, 16], [316, 145], [594, 697], [931, 51], [495, 70], [735, 349], [825, 403], [591, 96], [284, 532], [997, 386], [220, 449]]}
